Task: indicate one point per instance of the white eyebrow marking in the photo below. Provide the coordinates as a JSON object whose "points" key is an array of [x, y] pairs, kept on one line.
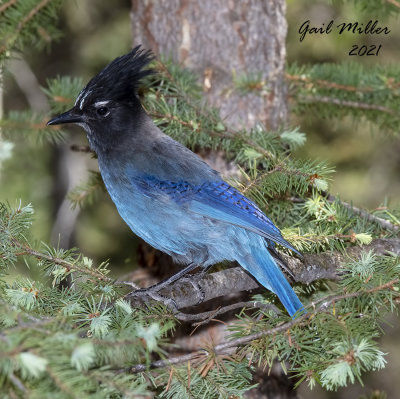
{"points": [[79, 96], [101, 103], [83, 98]]}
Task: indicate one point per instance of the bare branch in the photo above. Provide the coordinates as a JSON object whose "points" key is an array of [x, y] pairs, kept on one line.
{"points": [[206, 317]]}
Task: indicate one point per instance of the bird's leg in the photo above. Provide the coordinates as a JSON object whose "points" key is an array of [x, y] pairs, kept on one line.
{"points": [[198, 276], [152, 291]]}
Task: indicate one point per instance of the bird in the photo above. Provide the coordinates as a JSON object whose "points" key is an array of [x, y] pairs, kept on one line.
{"points": [[167, 194]]}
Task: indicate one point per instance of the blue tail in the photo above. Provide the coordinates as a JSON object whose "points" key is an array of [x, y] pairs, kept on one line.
{"points": [[263, 267]]}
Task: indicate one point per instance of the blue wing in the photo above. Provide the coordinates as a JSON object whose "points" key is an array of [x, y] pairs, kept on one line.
{"points": [[217, 200]]}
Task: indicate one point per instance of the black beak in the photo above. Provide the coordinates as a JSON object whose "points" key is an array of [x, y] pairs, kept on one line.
{"points": [[71, 116]]}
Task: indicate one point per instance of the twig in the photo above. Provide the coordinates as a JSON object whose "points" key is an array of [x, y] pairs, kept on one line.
{"points": [[7, 5], [224, 346], [333, 85], [386, 224], [251, 183], [280, 167], [35, 325], [68, 265], [347, 103], [394, 2], [326, 83], [17, 383], [81, 148], [59, 383], [175, 119], [27, 125], [370, 217], [206, 317], [22, 23]]}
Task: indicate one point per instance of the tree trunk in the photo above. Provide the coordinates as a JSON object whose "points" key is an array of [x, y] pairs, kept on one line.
{"points": [[219, 40]]}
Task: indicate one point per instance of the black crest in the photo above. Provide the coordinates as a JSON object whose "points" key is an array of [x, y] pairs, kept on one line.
{"points": [[118, 81]]}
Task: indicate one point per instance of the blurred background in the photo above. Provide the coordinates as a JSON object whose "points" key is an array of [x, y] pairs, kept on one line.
{"points": [[367, 162]]}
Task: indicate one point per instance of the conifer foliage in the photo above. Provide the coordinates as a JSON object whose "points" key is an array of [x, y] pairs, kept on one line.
{"points": [[87, 340]]}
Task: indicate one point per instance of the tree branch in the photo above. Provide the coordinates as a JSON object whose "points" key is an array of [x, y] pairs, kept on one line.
{"points": [[347, 103], [394, 2], [7, 5], [326, 83], [228, 345], [81, 148], [185, 294], [370, 217], [69, 266], [384, 223], [18, 383], [22, 24], [312, 268], [205, 317]]}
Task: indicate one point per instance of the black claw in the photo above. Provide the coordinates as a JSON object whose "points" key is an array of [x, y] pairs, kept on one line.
{"points": [[195, 281], [202, 294]]}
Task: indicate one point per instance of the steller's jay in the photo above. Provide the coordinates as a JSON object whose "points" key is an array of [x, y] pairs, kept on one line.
{"points": [[165, 193]]}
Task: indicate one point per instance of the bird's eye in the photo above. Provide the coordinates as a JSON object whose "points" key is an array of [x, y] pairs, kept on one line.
{"points": [[102, 111]]}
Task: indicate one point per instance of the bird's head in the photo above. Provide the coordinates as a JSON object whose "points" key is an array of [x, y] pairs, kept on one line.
{"points": [[109, 107]]}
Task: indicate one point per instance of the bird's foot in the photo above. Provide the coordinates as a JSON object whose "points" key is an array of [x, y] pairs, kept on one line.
{"points": [[152, 292], [194, 280], [144, 294]]}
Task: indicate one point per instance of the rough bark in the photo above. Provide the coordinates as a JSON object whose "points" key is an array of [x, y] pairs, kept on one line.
{"points": [[312, 268], [217, 40]]}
